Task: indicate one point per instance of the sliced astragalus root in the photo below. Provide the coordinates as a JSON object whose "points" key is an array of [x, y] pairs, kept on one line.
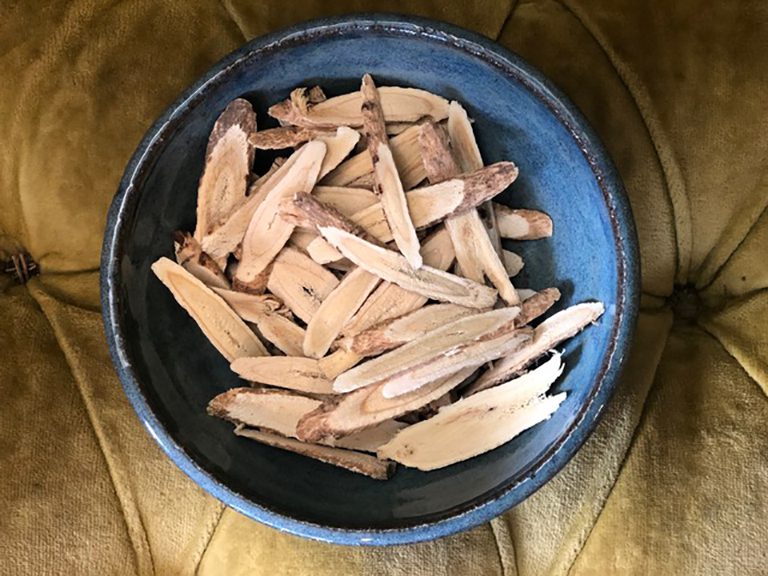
{"points": [[223, 328], [367, 407], [351, 460], [270, 317], [338, 147], [473, 426], [191, 256], [468, 341], [398, 105], [228, 160], [300, 283], [547, 335], [522, 224], [337, 308], [393, 267], [513, 263], [267, 233], [386, 177], [394, 333], [359, 168], [279, 411], [289, 372]]}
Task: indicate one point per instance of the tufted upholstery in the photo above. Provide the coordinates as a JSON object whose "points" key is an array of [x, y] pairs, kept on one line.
{"points": [[673, 481]]}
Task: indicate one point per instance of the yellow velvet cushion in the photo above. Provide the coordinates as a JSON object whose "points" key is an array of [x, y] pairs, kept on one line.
{"points": [[674, 479]]}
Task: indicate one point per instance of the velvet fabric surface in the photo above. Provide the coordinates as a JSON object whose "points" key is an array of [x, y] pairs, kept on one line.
{"points": [[674, 479]]}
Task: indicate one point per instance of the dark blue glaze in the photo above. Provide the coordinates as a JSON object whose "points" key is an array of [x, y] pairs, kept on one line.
{"points": [[170, 372]]}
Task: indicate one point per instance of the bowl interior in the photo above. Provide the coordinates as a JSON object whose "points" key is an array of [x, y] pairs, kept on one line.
{"points": [[179, 372]]}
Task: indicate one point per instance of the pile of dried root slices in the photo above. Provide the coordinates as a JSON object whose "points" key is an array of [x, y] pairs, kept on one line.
{"points": [[360, 287]]}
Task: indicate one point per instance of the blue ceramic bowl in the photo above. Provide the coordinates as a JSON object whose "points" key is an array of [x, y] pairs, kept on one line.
{"points": [[170, 372]]}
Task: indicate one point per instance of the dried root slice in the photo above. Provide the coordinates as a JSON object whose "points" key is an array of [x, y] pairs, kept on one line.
{"points": [[393, 267], [225, 240], [390, 301], [476, 425], [468, 155], [439, 161], [322, 252], [339, 146], [522, 224], [398, 105], [271, 319], [428, 205], [387, 179], [348, 201], [547, 335], [394, 333], [275, 410], [289, 372], [223, 328], [370, 439], [513, 264], [191, 256], [431, 204], [267, 233], [306, 211], [537, 304], [475, 252], [358, 170], [367, 407], [300, 283], [228, 160], [471, 241], [395, 128], [301, 238], [354, 461], [338, 361], [279, 411], [337, 308], [286, 137], [468, 341]]}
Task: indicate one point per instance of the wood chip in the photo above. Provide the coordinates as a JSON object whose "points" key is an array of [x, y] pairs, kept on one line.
{"points": [[398, 105], [337, 308], [387, 179], [522, 224], [476, 425], [289, 372], [279, 411], [228, 160], [267, 233], [394, 333], [390, 300], [223, 328], [405, 150], [513, 263], [393, 267], [547, 335], [300, 283], [468, 341], [367, 407], [270, 317], [190, 255], [354, 461], [225, 240]]}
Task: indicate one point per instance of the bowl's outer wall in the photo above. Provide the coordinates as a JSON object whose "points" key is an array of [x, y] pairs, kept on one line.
{"points": [[171, 372]]}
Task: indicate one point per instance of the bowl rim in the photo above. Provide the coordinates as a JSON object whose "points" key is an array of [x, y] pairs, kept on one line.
{"points": [[628, 274]]}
